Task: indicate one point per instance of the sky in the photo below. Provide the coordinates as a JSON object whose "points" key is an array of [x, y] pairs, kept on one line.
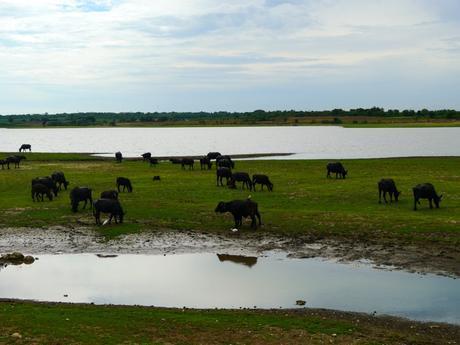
{"points": [[228, 55]]}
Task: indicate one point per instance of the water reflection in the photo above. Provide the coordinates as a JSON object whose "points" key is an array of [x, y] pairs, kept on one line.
{"points": [[201, 281], [238, 259]]}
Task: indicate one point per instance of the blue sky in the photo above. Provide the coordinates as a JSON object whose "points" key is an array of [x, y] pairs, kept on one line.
{"points": [[193, 55]]}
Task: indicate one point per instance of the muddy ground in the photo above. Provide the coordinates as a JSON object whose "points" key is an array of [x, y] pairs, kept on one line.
{"points": [[383, 254]]}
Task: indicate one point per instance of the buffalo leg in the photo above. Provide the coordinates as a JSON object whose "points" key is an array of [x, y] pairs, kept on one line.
{"points": [[97, 215], [253, 222], [431, 202]]}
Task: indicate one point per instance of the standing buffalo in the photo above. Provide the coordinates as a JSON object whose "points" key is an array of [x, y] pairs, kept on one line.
{"points": [[125, 183], [111, 206], [225, 161], [14, 159], [118, 157], [25, 147], [263, 180], [38, 190], [205, 163], [109, 194], [189, 162], [153, 161], [223, 173], [240, 177], [80, 194], [336, 168], [213, 155], [239, 209], [388, 186], [146, 156], [59, 178], [48, 182], [426, 191]]}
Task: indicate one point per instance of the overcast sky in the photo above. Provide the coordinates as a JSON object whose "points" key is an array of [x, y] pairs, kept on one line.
{"points": [[192, 55]]}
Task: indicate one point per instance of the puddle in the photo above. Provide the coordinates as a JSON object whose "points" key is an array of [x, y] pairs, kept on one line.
{"points": [[232, 281]]}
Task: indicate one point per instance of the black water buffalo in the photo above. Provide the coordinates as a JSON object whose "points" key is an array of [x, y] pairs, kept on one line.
{"points": [[225, 161], [81, 194], [176, 160], [111, 206], [125, 183], [60, 180], [153, 161], [25, 147], [47, 181], [263, 180], [223, 173], [240, 177], [187, 162], [205, 163], [387, 185], [239, 209], [109, 194], [146, 156], [336, 168], [156, 178], [213, 155], [426, 191], [38, 190], [118, 157], [14, 159]]}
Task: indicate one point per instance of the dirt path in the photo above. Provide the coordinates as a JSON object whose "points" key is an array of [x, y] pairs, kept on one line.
{"points": [[386, 254]]}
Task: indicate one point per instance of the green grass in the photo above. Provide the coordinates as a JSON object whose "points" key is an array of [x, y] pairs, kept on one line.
{"points": [[304, 201]]}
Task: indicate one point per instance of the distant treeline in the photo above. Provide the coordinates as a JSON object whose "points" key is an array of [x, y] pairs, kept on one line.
{"points": [[94, 118]]}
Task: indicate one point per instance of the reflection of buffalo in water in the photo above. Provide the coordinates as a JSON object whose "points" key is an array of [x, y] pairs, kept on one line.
{"points": [[238, 259]]}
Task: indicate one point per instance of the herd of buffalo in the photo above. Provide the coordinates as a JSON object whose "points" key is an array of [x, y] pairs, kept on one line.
{"points": [[109, 202]]}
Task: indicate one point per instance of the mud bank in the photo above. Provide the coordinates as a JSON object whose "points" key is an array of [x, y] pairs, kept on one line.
{"points": [[386, 254]]}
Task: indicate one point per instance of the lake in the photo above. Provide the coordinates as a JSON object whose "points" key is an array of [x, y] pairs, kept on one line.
{"points": [[320, 142], [207, 280]]}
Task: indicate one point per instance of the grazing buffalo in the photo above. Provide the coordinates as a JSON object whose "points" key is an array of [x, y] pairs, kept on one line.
{"points": [[205, 163], [38, 190], [109, 194], [387, 185], [263, 180], [146, 156], [156, 178], [153, 161], [14, 159], [125, 183], [336, 168], [80, 194], [426, 191], [59, 178], [176, 160], [118, 157], [3, 163], [225, 161], [111, 206], [188, 162], [25, 147], [213, 155], [47, 181], [239, 209], [240, 177], [223, 173]]}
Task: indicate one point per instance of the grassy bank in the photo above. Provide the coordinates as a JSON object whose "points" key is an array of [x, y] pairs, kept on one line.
{"points": [[40, 323], [304, 201]]}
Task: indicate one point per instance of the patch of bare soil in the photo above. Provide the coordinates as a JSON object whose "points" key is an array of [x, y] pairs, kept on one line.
{"points": [[386, 254]]}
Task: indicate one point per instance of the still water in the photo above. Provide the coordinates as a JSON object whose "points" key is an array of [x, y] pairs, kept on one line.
{"points": [[319, 142], [230, 281]]}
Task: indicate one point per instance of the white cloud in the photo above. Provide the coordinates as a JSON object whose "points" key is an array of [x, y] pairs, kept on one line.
{"points": [[104, 44]]}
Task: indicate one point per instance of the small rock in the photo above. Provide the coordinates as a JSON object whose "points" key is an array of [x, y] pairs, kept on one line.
{"points": [[16, 335], [300, 302]]}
